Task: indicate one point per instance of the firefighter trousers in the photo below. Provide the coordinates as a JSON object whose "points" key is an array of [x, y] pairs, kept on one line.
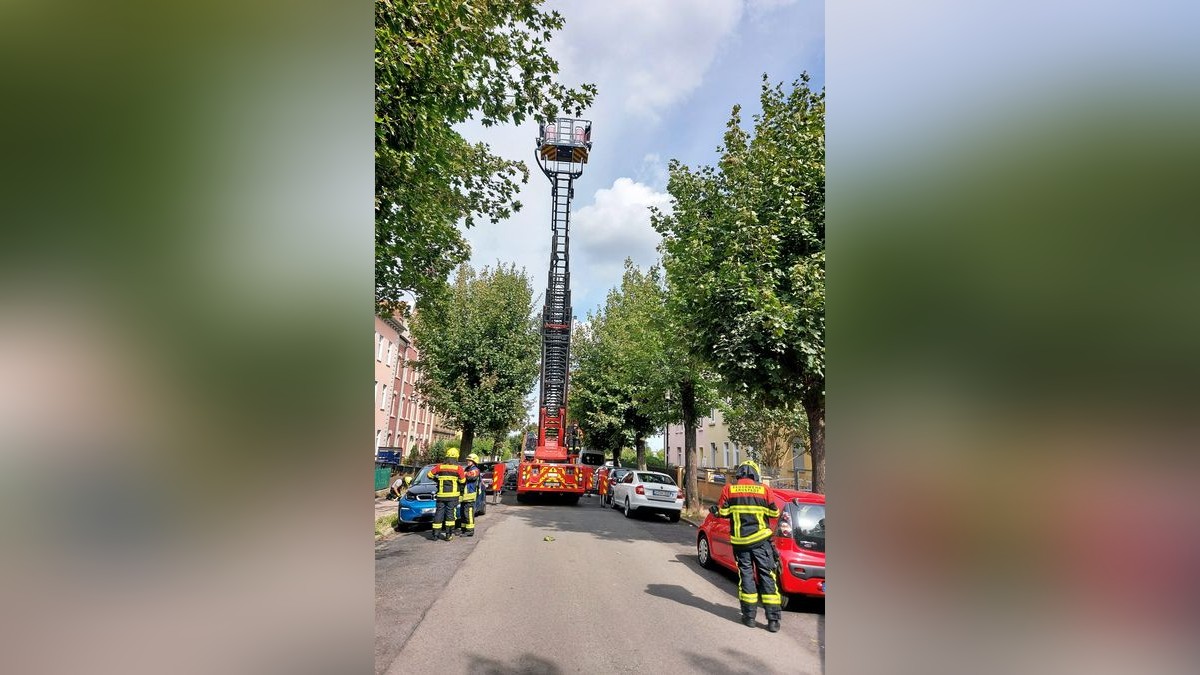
{"points": [[444, 516], [467, 520], [758, 579]]}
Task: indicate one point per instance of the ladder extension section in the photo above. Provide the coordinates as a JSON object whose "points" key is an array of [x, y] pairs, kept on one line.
{"points": [[556, 313]]}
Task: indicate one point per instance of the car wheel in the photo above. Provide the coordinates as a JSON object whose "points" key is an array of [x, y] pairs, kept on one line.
{"points": [[628, 511], [673, 516], [703, 554], [521, 497]]}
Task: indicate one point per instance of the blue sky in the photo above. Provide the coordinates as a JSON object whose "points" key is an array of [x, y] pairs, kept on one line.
{"points": [[668, 73]]}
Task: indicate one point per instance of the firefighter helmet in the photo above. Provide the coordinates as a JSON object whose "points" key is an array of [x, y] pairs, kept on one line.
{"points": [[473, 457], [451, 453], [749, 469]]}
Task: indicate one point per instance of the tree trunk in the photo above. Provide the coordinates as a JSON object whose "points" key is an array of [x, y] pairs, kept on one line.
{"points": [[687, 390], [498, 443], [468, 440], [639, 443], [815, 411]]}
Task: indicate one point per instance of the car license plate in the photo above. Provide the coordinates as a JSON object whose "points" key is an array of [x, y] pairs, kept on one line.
{"points": [[551, 483], [662, 493], [429, 510]]}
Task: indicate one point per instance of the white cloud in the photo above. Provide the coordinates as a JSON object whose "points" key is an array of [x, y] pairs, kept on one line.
{"points": [[614, 227], [644, 56]]}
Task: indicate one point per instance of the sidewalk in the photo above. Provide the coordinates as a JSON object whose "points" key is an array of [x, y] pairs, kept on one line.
{"points": [[385, 507]]}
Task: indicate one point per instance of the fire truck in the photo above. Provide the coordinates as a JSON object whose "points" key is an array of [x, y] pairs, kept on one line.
{"points": [[554, 467]]}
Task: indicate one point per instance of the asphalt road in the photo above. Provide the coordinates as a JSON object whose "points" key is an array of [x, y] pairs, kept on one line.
{"points": [[607, 595]]}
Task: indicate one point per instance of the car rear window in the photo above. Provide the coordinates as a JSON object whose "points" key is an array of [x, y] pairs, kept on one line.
{"points": [[808, 525], [655, 478]]}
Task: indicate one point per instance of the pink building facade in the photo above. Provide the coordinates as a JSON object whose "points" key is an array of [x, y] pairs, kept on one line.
{"points": [[402, 422]]}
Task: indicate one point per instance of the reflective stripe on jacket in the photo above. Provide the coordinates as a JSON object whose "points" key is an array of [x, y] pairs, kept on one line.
{"points": [[748, 505], [448, 476]]}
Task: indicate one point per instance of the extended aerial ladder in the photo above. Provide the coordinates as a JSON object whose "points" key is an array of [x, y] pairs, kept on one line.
{"points": [[562, 150]]}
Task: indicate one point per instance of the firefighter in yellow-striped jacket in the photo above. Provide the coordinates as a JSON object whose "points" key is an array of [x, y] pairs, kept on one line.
{"points": [[749, 504], [471, 488], [449, 477]]}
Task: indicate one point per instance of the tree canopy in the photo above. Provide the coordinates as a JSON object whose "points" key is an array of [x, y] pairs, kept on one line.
{"points": [[744, 251], [479, 350], [616, 392], [439, 63], [767, 432]]}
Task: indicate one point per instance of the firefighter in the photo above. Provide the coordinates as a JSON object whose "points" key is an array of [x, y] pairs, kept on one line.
{"points": [[498, 479], [748, 504], [399, 486], [602, 485], [449, 477], [471, 486]]}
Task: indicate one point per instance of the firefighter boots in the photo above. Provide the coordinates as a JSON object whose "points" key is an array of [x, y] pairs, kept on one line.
{"points": [[748, 621], [773, 625]]}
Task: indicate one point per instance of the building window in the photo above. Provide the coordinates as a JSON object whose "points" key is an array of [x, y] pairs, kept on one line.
{"points": [[382, 346], [375, 398], [712, 419], [726, 453], [378, 438], [383, 402], [391, 356], [736, 454]]}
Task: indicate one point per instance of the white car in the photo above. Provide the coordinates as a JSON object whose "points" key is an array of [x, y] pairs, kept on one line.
{"points": [[648, 492]]}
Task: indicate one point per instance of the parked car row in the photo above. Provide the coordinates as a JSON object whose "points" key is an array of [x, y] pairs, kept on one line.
{"points": [[799, 531], [635, 491]]}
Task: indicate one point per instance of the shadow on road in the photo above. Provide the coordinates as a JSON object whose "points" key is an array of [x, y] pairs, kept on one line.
{"points": [[685, 597], [727, 580], [588, 517], [526, 664], [735, 663]]}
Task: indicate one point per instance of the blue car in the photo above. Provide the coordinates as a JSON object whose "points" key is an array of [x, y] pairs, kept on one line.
{"points": [[417, 503]]}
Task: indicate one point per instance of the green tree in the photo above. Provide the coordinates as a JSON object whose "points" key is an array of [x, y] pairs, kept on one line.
{"points": [[620, 352], [744, 251], [768, 432], [479, 350], [439, 63], [596, 398], [634, 373]]}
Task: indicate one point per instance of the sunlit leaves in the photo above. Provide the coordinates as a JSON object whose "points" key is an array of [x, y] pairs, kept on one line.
{"points": [[439, 63], [744, 251], [479, 348]]}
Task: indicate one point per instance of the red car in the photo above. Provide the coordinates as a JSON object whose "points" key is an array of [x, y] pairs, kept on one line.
{"points": [[799, 539]]}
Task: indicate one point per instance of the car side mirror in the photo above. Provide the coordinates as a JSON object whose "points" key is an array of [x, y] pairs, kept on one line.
{"points": [[712, 510]]}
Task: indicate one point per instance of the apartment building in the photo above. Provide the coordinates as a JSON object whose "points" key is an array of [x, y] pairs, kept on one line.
{"points": [[714, 449], [402, 422]]}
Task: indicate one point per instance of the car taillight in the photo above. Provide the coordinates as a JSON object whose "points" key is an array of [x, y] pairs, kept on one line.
{"points": [[785, 524], [679, 496], [640, 490]]}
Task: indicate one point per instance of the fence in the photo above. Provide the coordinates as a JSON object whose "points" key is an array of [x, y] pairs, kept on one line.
{"points": [[710, 482]]}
